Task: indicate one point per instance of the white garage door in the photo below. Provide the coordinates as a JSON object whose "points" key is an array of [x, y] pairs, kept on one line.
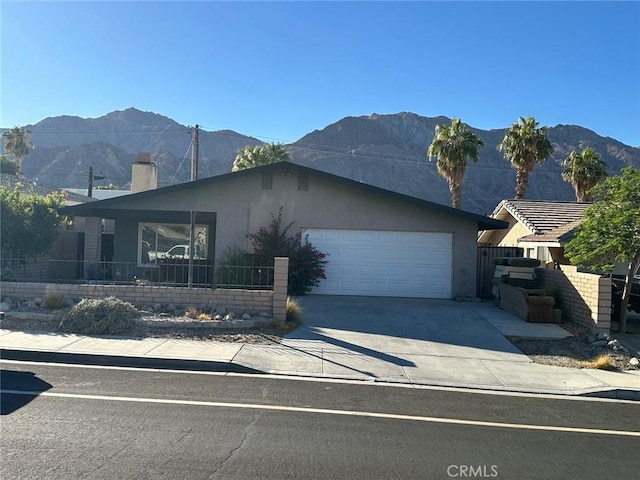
{"points": [[393, 264]]}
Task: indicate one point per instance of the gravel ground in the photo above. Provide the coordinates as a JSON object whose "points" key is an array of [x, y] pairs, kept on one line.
{"points": [[569, 352], [575, 351], [259, 335]]}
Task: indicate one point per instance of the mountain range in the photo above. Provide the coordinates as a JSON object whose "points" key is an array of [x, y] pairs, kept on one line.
{"points": [[388, 151]]}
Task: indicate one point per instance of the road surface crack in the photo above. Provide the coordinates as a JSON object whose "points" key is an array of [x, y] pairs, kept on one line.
{"points": [[232, 452]]}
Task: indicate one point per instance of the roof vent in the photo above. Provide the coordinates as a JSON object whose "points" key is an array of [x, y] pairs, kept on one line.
{"points": [[303, 182], [267, 180]]}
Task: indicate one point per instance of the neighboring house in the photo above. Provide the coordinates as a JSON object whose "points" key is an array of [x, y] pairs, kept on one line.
{"points": [[27, 186], [379, 242], [541, 228]]}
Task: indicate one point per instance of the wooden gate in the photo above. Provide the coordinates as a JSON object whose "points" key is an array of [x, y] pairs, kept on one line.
{"points": [[486, 268]]}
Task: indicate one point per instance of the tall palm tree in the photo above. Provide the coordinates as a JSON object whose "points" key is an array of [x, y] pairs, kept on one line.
{"points": [[256, 156], [453, 145], [524, 145], [17, 141], [584, 171]]}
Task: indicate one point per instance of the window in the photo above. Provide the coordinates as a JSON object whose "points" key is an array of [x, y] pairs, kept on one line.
{"points": [[157, 241]]}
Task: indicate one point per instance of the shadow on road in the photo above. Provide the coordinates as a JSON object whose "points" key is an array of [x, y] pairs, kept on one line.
{"points": [[26, 386]]}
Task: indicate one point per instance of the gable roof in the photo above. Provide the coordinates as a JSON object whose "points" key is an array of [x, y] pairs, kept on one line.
{"points": [[541, 216], [94, 208]]}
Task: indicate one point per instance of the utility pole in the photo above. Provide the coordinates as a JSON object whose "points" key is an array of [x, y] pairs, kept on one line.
{"points": [[192, 219], [194, 154], [90, 190], [92, 177]]}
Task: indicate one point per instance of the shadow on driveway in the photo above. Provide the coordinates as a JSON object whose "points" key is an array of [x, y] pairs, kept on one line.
{"points": [[383, 328]]}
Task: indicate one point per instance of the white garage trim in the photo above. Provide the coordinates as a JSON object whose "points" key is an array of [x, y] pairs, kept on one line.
{"points": [[384, 263]]}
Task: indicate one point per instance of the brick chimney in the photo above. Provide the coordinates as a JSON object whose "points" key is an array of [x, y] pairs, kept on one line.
{"points": [[144, 173]]}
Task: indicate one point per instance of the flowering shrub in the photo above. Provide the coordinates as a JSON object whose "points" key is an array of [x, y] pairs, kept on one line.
{"points": [[306, 262]]}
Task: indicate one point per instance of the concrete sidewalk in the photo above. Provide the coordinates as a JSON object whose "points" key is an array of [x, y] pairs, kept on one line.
{"points": [[331, 354]]}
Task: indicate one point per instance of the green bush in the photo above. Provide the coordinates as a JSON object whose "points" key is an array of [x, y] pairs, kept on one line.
{"points": [[236, 267], [106, 316], [53, 301]]}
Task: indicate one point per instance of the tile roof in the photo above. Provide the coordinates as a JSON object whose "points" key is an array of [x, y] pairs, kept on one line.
{"points": [[561, 234], [541, 216]]}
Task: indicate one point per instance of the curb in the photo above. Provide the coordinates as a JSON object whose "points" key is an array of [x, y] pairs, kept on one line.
{"points": [[614, 393]]}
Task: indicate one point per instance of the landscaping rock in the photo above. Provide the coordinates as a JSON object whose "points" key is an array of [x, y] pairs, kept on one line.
{"points": [[246, 316], [613, 343], [218, 317], [229, 316], [5, 306], [634, 362]]}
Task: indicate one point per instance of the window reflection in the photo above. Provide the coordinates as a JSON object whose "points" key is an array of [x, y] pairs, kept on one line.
{"points": [[169, 241]]}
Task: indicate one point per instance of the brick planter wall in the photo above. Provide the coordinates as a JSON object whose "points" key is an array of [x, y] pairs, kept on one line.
{"points": [[250, 301], [584, 298]]}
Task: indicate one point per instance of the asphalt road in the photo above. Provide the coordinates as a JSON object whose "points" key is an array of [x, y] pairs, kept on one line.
{"points": [[77, 422]]}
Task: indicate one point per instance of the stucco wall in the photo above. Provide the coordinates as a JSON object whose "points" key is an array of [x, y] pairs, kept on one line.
{"points": [[517, 230], [242, 206], [584, 298]]}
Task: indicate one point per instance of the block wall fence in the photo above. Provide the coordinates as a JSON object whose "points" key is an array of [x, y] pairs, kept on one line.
{"points": [[249, 301], [584, 298]]}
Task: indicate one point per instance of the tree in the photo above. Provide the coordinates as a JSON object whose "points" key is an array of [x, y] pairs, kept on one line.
{"points": [[8, 166], [453, 145], [255, 156], [610, 231], [584, 171], [524, 145], [17, 141], [30, 222]]}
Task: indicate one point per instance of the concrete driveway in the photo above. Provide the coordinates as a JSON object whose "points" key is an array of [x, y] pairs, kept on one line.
{"points": [[394, 338]]}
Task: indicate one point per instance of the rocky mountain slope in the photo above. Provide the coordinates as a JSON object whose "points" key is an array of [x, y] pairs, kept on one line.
{"points": [[384, 150]]}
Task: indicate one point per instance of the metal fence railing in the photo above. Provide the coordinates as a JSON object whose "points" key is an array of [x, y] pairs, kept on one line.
{"points": [[169, 272]]}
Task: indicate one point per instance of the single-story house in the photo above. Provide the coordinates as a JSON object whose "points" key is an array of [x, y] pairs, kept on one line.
{"points": [[542, 228], [378, 242]]}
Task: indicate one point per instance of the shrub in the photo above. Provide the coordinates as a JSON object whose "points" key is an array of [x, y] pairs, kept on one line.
{"points": [[107, 316], [604, 362], [236, 267], [294, 313], [306, 262], [54, 301]]}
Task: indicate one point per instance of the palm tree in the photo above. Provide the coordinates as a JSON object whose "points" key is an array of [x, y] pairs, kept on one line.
{"points": [[453, 145], [17, 142], [584, 171], [524, 145], [255, 156]]}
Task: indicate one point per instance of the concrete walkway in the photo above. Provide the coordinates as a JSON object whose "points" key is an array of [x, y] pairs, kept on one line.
{"points": [[425, 342]]}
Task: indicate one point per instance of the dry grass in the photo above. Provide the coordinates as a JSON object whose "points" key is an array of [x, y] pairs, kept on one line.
{"points": [[603, 362], [295, 313], [53, 301]]}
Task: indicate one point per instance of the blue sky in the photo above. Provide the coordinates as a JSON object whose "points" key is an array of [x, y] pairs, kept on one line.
{"points": [[278, 70]]}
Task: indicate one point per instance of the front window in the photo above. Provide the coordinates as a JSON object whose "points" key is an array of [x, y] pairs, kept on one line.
{"points": [[157, 241]]}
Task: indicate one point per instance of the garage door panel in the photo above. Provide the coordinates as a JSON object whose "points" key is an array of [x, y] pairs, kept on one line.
{"points": [[403, 264]]}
